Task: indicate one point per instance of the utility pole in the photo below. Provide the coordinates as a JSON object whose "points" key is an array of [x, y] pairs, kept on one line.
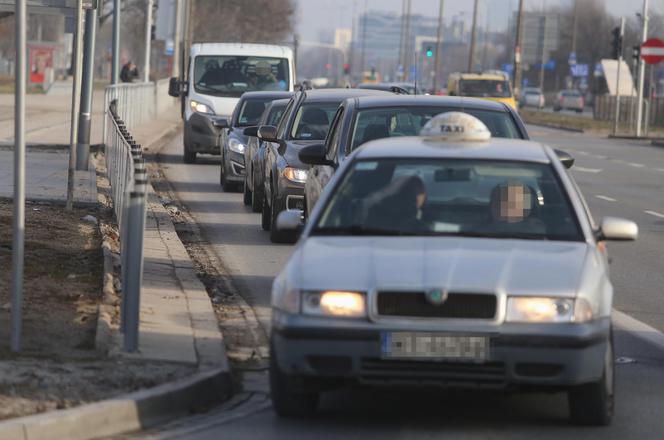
{"points": [[642, 71], [541, 72], [575, 25], [353, 39], [620, 60], [177, 36], [189, 14], [439, 37], [148, 39], [401, 30], [75, 105], [406, 41], [471, 51], [18, 222], [516, 74], [364, 37], [85, 113], [115, 64]]}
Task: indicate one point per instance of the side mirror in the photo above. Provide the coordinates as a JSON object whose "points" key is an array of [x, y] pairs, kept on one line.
{"points": [[251, 131], [174, 88], [289, 221], [618, 229], [221, 123], [314, 155], [565, 158], [267, 133]]}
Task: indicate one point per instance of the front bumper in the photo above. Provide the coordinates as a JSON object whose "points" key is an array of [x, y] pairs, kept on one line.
{"points": [[201, 135], [290, 196], [234, 166], [521, 356]]}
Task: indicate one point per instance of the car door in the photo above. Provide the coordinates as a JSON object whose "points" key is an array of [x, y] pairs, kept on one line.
{"points": [[320, 175], [270, 148]]}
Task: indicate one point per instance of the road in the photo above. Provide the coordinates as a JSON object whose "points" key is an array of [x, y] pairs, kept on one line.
{"points": [[618, 178]]}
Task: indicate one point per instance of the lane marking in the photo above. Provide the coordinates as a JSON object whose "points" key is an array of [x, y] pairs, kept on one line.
{"points": [[584, 153], [608, 199], [636, 165], [587, 170], [660, 169], [639, 329], [654, 213]]}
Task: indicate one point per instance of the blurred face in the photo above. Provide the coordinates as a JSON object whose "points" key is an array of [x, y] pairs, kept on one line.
{"points": [[513, 203]]}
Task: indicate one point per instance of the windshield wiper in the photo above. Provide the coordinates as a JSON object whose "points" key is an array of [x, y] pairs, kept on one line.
{"points": [[363, 231]]}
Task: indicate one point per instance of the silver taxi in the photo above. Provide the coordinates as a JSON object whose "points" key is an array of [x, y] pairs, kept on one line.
{"points": [[452, 260]]}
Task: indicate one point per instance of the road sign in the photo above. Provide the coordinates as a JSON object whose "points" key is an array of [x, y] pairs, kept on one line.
{"points": [[572, 59], [579, 70], [652, 51]]}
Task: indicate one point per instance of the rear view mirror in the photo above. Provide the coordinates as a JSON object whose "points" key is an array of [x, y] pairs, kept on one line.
{"points": [[221, 123], [565, 158], [174, 87], [251, 131], [267, 133], [618, 229], [453, 175], [314, 155]]}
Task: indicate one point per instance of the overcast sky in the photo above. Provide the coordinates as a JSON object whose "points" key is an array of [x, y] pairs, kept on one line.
{"points": [[314, 15]]}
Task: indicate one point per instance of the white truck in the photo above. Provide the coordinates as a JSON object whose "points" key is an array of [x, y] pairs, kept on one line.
{"points": [[217, 74]]}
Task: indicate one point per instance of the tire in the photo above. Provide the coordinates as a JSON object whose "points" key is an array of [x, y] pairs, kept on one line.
{"points": [[286, 401], [256, 197], [275, 236], [266, 214], [189, 156], [247, 196], [593, 403]]}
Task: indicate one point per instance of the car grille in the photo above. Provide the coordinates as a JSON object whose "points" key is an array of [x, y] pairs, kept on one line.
{"points": [[399, 372], [457, 305]]}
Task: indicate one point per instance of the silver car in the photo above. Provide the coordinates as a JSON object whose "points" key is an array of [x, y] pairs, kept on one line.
{"points": [[449, 260]]}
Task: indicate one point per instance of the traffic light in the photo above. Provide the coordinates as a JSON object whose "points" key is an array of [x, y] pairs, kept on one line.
{"points": [[616, 44], [346, 69], [429, 52], [636, 52], [153, 32], [328, 66]]}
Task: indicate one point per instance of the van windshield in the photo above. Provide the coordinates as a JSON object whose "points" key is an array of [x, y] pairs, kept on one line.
{"points": [[231, 76], [485, 88]]}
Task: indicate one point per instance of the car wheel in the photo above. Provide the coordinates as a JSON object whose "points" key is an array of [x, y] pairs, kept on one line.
{"points": [[256, 197], [287, 401], [247, 196], [275, 235], [189, 156], [266, 213], [593, 403]]}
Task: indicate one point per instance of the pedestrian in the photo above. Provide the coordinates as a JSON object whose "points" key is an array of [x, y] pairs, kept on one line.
{"points": [[129, 72]]}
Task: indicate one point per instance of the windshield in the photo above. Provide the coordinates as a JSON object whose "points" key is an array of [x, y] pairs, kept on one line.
{"points": [[276, 112], [471, 198], [231, 76], [380, 123], [485, 88], [313, 120]]}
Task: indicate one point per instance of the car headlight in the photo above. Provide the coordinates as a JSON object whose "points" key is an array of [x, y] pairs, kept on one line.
{"points": [[199, 107], [548, 310], [295, 174], [334, 303], [284, 298], [236, 145]]}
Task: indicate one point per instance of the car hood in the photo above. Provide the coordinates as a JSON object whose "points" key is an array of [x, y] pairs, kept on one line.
{"points": [[293, 149], [517, 267]]}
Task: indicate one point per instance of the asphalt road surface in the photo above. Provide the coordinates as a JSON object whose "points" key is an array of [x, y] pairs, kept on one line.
{"points": [[619, 178]]}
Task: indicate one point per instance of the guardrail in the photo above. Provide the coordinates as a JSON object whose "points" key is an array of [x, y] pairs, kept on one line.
{"points": [[128, 178]]}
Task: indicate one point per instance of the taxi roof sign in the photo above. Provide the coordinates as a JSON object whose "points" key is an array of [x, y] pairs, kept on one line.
{"points": [[456, 126]]}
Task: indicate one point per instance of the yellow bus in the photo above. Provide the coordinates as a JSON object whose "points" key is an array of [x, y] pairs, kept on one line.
{"points": [[490, 86]]}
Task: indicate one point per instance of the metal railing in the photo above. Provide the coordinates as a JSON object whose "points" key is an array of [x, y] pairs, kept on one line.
{"points": [[128, 178]]}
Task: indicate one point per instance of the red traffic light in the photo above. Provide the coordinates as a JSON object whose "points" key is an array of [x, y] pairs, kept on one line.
{"points": [[328, 66]]}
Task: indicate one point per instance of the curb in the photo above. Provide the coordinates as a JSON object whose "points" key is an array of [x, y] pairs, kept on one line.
{"points": [[131, 412], [556, 127]]}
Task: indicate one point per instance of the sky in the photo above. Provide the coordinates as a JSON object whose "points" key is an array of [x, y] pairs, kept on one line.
{"points": [[317, 15]]}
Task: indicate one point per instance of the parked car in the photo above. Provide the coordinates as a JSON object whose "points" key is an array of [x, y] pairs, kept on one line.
{"points": [[569, 100], [306, 121], [532, 97], [233, 141], [362, 119], [448, 260], [253, 155]]}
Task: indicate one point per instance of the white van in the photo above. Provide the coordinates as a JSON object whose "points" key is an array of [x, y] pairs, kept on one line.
{"points": [[217, 75]]}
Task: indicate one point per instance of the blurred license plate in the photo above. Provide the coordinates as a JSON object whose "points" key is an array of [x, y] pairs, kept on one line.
{"points": [[420, 345]]}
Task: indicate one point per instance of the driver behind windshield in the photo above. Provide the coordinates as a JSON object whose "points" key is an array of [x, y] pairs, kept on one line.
{"points": [[263, 76], [397, 206], [512, 206]]}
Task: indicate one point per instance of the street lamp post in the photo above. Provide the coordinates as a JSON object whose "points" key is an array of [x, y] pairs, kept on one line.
{"points": [[148, 39], [642, 71], [516, 74], [471, 51], [439, 36]]}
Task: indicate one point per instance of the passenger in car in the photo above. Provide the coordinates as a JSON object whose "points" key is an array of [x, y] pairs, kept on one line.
{"points": [[513, 208]]}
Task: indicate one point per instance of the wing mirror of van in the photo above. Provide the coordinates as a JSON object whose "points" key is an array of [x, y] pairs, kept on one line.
{"points": [[267, 133], [175, 87], [251, 131], [565, 158], [221, 123], [314, 155]]}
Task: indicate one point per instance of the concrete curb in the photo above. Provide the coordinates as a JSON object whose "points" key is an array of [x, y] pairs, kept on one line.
{"points": [[123, 414], [556, 126], [104, 335]]}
